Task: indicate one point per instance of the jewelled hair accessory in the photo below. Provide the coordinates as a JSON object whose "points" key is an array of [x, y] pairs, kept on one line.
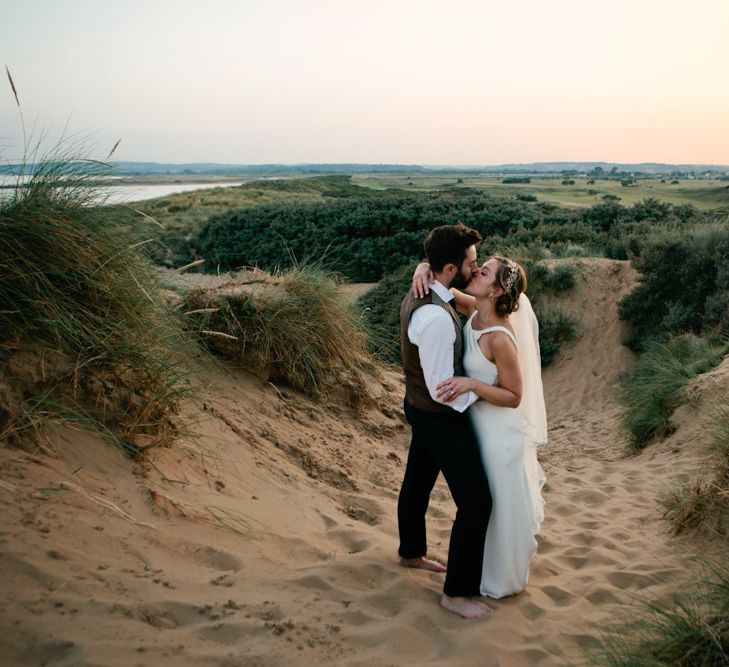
{"points": [[512, 272]]}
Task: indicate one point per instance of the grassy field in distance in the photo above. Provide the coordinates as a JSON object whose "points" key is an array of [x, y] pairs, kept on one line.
{"points": [[703, 194]]}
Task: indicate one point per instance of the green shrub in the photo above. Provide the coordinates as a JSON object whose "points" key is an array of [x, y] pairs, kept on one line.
{"points": [[361, 238], [683, 286], [561, 278], [365, 234], [557, 328]]}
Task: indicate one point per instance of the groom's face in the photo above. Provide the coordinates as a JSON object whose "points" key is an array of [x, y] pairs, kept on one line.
{"points": [[466, 271]]}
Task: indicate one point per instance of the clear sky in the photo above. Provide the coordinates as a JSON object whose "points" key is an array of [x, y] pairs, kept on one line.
{"points": [[466, 82]]}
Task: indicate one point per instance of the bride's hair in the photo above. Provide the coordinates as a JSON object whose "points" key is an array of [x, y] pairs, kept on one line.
{"points": [[511, 278]]}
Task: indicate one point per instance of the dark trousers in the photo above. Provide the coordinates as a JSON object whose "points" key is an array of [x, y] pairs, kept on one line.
{"points": [[445, 442]]}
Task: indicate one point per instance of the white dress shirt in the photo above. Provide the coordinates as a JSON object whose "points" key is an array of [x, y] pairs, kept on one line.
{"points": [[431, 329]]}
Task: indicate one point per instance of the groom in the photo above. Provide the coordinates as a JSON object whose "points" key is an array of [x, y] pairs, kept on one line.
{"points": [[442, 437]]}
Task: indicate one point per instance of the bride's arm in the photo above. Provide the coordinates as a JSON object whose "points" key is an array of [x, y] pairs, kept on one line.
{"points": [[465, 303], [506, 394], [422, 275]]}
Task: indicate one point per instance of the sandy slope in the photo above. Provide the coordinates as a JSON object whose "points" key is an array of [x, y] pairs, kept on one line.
{"points": [[267, 536]]}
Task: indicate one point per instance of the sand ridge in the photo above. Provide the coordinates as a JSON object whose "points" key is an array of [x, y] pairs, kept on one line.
{"points": [[267, 535]]}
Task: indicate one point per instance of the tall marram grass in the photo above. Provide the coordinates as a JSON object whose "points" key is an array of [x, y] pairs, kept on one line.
{"points": [[690, 630], [653, 389], [295, 328], [702, 506], [74, 286]]}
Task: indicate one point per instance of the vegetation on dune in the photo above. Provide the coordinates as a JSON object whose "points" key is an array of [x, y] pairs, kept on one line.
{"points": [[84, 331], [654, 389], [295, 328], [679, 317], [702, 506]]}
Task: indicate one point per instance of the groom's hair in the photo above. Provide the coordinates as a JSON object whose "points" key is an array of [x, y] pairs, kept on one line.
{"points": [[447, 244]]}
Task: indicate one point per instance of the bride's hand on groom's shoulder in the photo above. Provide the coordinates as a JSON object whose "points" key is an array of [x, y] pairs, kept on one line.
{"points": [[453, 388], [421, 278]]}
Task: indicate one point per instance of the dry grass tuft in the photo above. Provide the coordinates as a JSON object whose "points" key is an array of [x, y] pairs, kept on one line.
{"points": [[294, 328], [702, 506]]}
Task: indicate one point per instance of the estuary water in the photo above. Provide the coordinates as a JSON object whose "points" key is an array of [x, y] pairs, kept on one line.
{"points": [[125, 194]]}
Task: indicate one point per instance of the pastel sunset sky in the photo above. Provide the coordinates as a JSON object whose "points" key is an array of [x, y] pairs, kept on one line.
{"points": [[462, 82]]}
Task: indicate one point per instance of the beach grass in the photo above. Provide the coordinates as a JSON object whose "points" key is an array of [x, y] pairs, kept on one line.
{"points": [[702, 506], [652, 391], [83, 323], [691, 629], [296, 328]]}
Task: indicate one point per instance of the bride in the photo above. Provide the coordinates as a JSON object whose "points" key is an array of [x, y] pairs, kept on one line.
{"points": [[501, 360]]}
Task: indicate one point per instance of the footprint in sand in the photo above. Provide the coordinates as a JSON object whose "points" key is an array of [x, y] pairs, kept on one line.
{"points": [[591, 497], [632, 581], [314, 582], [350, 542], [560, 597], [213, 558], [53, 651], [602, 596], [229, 633], [531, 611]]}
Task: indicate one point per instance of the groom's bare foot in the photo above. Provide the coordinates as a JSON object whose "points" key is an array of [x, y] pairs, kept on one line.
{"points": [[465, 607], [423, 563]]}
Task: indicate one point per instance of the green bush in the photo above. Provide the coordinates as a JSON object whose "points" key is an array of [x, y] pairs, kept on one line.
{"points": [[361, 238], [557, 328], [683, 286], [365, 234]]}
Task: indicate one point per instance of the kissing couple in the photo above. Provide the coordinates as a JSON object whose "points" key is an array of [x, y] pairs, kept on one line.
{"points": [[475, 403]]}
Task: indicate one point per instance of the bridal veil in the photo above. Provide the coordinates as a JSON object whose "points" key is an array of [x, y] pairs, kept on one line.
{"points": [[532, 408]]}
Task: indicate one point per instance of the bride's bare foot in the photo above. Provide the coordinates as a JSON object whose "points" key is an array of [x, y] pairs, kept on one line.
{"points": [[423, 563], [464, 606]]}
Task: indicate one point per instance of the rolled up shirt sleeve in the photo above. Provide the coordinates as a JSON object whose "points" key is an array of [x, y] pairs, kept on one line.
{"points": [[431, 329]]}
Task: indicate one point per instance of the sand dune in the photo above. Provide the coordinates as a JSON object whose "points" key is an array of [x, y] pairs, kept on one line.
{"points": [[267, 534]]}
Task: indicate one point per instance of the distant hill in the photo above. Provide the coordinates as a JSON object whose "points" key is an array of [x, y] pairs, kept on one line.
{"points": [[585, 167], [158, 168]]}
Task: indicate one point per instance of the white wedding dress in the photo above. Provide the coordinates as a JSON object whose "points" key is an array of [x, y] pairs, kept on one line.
{"points": [[508, 438]]}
